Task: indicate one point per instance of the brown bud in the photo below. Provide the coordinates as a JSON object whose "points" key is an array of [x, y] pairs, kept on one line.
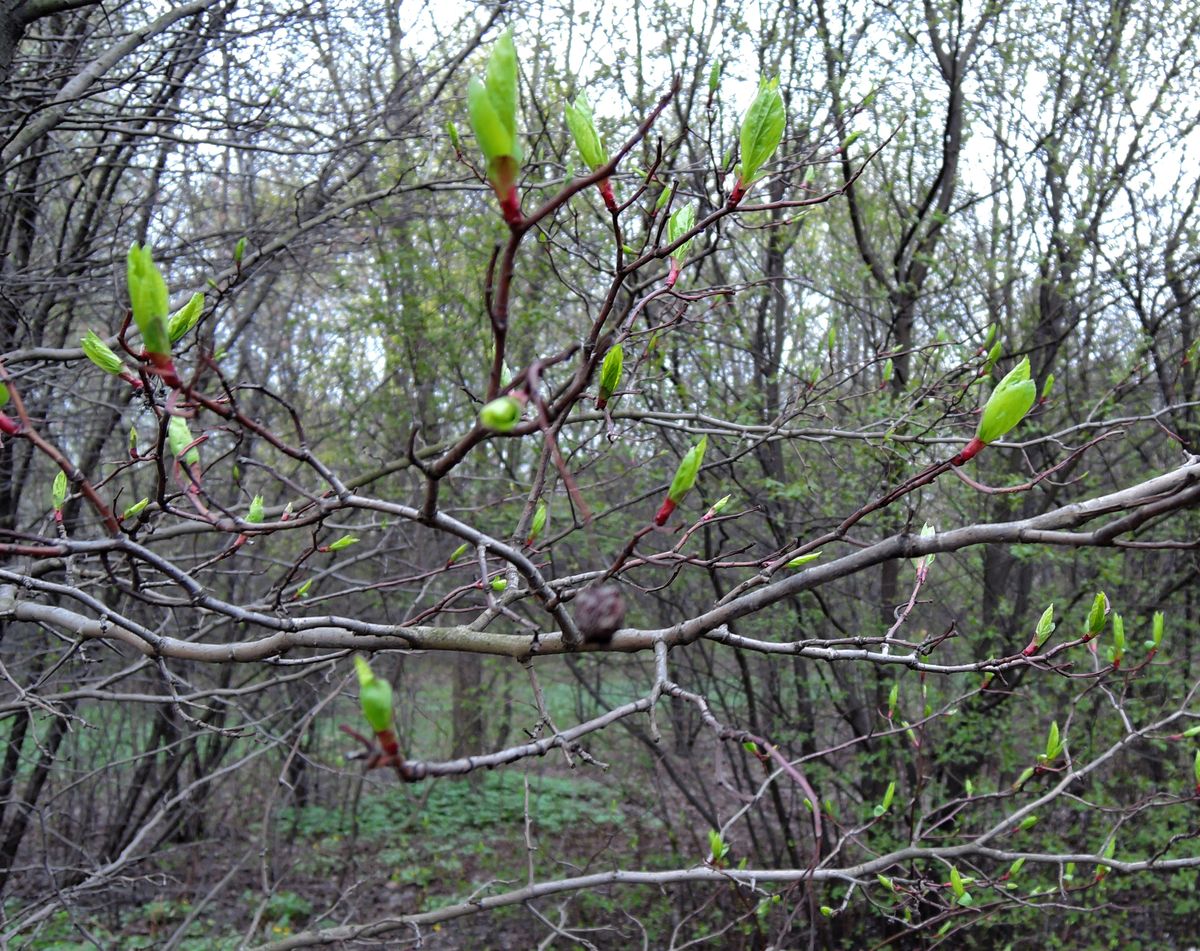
{"points": [[599, 613]]}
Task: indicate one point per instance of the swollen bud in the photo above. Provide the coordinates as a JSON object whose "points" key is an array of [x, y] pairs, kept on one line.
{"points": [[179, 437], [538, 523], [1097, 617], [134, 509], [685, 478], [610, 375], [58, 491], [255, 514], [583, 130], [375, 695], [492, 105], [344, 542], [500, 415]]}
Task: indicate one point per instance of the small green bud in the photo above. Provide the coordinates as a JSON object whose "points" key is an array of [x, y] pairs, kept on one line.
{"points": [[888, 369], [499, 584], [500, 415], [452, 132], [992, 356], [956, 883], [1028, 823], [922, 564], [583, 130], [492, 105], [1015, 867], [132, 440], [458, 553], [850, 140], [1010, 401], [179, 437], [1157, 628], [827, 911], [1045, 626], [375, 695], [884, 806], [664, 196], [186, 317], [1047, 386], [969, 788], [538, 523], [344, 542], [802, 560], [239, 250], [717, 848], [302, 591], [135, 509], [689, 468], [719, 506], [101, 354], [610, 373], [58, 491], [148, 299], [1053, 744], [714, 76], [4, 397], [886, 882], [893, 698], [255, 514]]}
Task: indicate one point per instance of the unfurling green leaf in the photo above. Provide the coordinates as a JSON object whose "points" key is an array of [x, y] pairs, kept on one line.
{"points": [[683, 219], [1097, 616], [148, 299], [887, 370], [458, 553], [762, 130], [179, 437], [1045, 626], [500, 415], [664, 196], [583, 130], [255, 514], [58, 491], [186, 317], [1053, 743], [302, 591], [344, 542], [714, 76], [689, 468], [375, 696], [1010, 401], [101, 354]]}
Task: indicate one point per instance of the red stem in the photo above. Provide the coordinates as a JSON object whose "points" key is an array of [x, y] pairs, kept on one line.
{"points": [[606, 193], [664, 512], [969, 452]]}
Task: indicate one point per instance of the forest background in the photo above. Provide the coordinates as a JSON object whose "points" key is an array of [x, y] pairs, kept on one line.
{"points": [[861, 696]]}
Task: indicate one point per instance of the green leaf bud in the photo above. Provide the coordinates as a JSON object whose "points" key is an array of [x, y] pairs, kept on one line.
{"points": [[610, 373], [888, 368], [148, 299], [499, 584], [802, 560], [179, 437], [58, 491], [239, 250], [1097, 616], [1047, 386], [452, 132], [500, 415], [375, 695], [583, 130], [458, 553], [492, 105], [255, 514], [186, 317], [1028, 823], [664, 196], [135, 509], [1157, 628], [1053, 743], [850, 140], [101, 354], [4, 396], [344, 542], [302, 591], [689, 468], [714, 76], [1010, 401], [538, 523]]}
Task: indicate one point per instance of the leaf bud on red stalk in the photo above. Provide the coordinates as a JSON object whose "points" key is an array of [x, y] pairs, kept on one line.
{"points": [[762, 131], [1097, 617], [102, 356], [1117, 651], [1012, 398], [1045, 627], [58, 494], [717, 508], [492, 105], [587, 141], [457, 554], [148, 300], [181, 442], [685, 478], [375, 697], [186, 317]]}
